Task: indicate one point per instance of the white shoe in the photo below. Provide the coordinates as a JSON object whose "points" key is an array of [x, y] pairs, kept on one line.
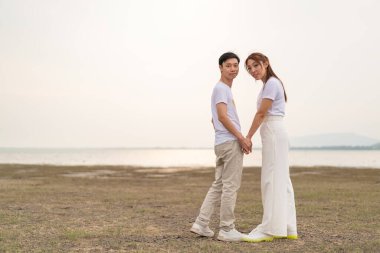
{"points": [[257, 236], [201, 230], [230, 236]]}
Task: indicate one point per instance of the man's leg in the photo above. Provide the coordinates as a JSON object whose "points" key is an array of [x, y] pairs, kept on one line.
{"points": [[213, 195], [231, 179]]}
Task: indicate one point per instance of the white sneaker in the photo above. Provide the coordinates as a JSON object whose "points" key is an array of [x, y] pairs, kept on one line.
{"points": [[257, 236], [201, 230], [230, 236]]}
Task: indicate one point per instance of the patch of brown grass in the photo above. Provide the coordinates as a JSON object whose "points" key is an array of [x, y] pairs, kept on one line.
{"points": [[127, 209]]}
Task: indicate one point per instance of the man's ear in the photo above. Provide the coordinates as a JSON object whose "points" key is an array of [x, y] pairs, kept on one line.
{"points": [[220, 67]]}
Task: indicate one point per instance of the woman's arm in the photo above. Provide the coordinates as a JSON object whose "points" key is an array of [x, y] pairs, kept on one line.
{"points": [[259, 116]]}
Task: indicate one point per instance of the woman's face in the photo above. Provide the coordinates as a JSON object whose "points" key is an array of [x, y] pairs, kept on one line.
{"points": [[257, 70]]}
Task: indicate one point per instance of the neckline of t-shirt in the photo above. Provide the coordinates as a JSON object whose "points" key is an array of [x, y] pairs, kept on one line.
{"points": [[221, 82]]}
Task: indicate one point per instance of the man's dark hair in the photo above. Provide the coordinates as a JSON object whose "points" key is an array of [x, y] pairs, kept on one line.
{"points": [[229, 55]]}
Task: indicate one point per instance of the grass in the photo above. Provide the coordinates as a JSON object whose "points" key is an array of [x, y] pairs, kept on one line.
{"points": [[76, 235], [136, 210]]}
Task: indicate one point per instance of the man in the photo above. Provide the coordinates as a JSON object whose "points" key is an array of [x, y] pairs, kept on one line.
{"points": [[229, 147]]}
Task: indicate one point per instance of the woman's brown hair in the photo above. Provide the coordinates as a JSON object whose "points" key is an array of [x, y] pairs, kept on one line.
{"points": [[259, 57]]}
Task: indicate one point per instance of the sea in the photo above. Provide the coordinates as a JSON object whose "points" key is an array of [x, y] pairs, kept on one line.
{"points": [[161, 157]]}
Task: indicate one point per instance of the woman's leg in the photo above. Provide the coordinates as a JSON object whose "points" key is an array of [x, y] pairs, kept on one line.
{"points": [[292, 219], [274, 179]]}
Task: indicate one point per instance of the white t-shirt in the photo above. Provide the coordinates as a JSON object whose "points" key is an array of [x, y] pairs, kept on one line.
{"points": [[222, 94], [274, 91]]}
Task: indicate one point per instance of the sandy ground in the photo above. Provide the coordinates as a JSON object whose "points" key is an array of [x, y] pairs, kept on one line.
{"points": [[128, 209]]}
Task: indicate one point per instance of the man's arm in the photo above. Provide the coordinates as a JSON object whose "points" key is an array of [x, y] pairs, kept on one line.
{"points": [[223, 118]]}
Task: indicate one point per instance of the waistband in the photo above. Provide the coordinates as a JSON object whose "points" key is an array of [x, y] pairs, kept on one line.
{"points": [[273, 118]]}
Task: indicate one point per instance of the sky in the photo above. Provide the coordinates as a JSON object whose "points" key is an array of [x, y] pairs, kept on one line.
{"points": [[140, 73]]}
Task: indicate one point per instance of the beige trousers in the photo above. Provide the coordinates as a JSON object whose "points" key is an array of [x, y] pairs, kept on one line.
{"points": [[277, 193], [223, 191]]}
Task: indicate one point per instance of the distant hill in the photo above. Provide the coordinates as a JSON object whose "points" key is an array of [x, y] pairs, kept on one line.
{"points": [[337, 140]]}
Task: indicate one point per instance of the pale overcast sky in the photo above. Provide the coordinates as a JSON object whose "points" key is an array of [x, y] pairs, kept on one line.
{"points": [[140, 73]]}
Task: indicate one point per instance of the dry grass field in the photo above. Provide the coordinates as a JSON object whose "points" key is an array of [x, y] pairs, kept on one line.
{"points": [[128, 209]]}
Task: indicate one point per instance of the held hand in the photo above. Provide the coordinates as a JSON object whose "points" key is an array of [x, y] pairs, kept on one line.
{"points": [[249, 146], [246, 145]]}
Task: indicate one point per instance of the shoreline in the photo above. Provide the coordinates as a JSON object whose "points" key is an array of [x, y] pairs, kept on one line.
{"points": [[185, 158], [181, 167]]}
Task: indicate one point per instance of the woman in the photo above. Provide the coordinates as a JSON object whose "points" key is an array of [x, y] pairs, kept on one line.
{"points": [[279, 218]]}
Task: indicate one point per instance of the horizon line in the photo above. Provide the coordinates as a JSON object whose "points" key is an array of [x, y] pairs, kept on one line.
{"points": [[192, 148]]}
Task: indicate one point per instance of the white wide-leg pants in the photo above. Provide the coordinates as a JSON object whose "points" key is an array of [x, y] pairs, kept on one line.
{"points": [[277, 193]]}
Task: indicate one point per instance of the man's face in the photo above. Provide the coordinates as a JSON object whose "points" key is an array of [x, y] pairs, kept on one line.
{"points": [[230, 68]]}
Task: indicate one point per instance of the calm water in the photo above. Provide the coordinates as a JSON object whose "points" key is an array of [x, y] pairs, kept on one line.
{"points": [[182, 157]]}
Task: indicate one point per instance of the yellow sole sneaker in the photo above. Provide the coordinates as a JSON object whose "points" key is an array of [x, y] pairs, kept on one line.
{"points": [[264, 239], [290, 237]]}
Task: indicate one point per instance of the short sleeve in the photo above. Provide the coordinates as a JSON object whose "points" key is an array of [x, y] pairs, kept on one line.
{"points": [[270, 90], [220, 96]]}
